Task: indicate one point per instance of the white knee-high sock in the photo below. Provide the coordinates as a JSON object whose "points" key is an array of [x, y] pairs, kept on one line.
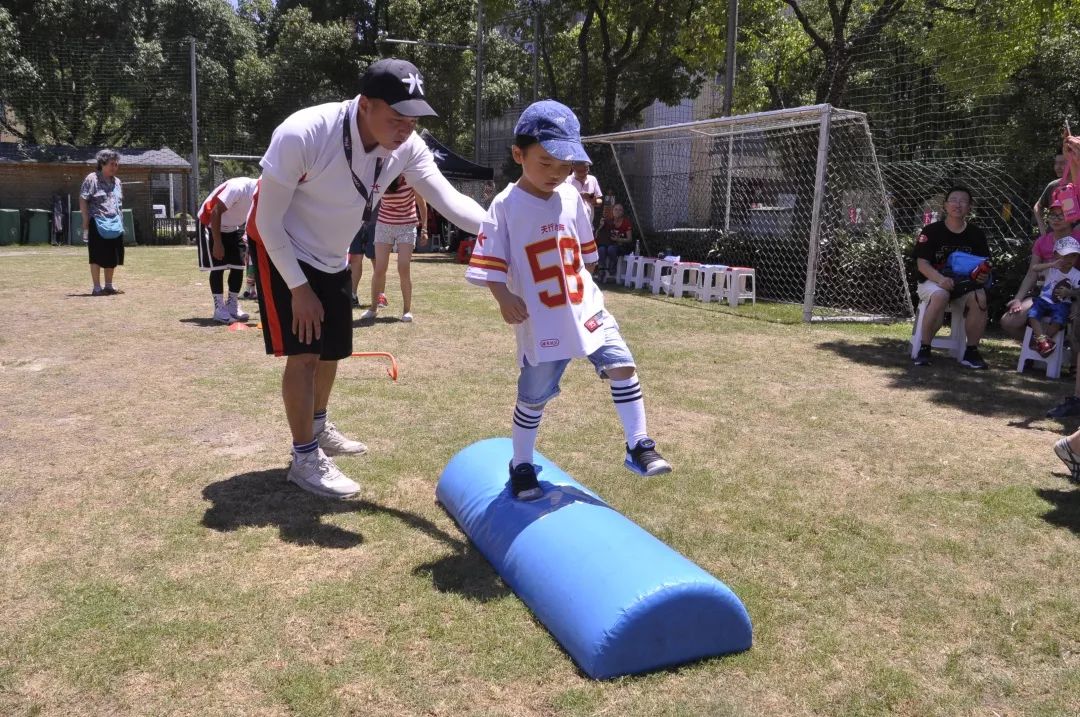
{"points": [[630, 405], [523, 434]]}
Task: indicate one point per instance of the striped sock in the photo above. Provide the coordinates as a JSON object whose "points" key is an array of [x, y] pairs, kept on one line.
{"points": [[526, 425], [630, 405], [319, 422], [303, 449]]}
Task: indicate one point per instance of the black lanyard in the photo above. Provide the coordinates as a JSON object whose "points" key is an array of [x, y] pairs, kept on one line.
{"points": [[346, 144]]}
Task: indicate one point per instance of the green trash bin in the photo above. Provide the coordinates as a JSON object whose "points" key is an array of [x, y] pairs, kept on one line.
{"points": [[9, 226], [129, 228], [38, 226], [75, 228]]}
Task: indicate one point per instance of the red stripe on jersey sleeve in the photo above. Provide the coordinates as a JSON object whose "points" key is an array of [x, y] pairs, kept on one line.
{"points": [[487, 262]]}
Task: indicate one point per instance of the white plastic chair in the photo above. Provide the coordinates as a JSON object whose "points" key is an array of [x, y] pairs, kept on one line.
{"points": [[955, 342], [1053, 362]]}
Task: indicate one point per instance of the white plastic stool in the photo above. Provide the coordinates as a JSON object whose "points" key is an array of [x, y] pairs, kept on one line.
{"points": [[1052, 362], [955, 342], [742, 284], [712, 282], [662, 269], [620, 268], [635, 271], [682, 280]]}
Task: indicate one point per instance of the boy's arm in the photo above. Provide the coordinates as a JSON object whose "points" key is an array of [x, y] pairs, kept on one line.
{"points": [[511, 305]]}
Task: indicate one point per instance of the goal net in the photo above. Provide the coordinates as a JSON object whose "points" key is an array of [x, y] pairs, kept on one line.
{"points": [[795, 194], [227, 166]]}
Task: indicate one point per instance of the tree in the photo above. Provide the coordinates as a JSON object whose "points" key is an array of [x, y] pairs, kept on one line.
{"points": [[849, 29]]}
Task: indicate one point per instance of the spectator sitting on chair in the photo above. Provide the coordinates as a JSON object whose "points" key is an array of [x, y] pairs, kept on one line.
{"points": [[932, 249], [1014, 321], [1055, 302], [613, 240]]}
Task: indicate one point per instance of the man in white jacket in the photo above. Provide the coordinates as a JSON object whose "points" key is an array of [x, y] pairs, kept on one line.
{"points": [[322, 177]]}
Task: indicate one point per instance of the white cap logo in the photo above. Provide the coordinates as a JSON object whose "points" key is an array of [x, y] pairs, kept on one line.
{"points": [[415, 82]]}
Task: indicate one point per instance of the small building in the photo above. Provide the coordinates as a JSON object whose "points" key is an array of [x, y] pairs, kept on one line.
{"points": [[32, 175]]}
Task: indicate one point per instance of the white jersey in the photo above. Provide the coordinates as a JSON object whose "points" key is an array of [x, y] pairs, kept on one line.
{"points": [[1054, 277], [539, 248], [590, 186], [235, 195]]}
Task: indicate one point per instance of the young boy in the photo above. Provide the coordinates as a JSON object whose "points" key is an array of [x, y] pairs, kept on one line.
{"points": [[531, 253], [1055, 301]]}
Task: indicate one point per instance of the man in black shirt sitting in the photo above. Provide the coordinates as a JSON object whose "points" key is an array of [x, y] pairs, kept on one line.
{"points": [[932, 249]]}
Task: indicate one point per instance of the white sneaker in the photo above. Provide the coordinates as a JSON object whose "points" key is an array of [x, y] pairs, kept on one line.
{"points": [[335, 443], [316, 473], [235, 312], [222, 315], [368, 315], [406, 317]]}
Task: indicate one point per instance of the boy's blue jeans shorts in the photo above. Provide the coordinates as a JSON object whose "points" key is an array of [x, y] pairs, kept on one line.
{"points": [[539, 384]]}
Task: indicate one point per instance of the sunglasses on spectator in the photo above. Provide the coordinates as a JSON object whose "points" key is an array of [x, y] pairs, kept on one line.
{"points": [[1056, 215]]}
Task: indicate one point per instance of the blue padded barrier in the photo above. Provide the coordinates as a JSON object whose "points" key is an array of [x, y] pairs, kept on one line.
{"points": [[617, 599]]}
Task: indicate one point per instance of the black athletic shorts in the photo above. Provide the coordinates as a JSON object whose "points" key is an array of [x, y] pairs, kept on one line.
{"points": [[106, 253], [233, 243], [364, 241], [275, 307]]}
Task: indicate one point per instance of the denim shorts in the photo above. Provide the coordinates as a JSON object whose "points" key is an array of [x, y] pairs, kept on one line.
{"points": [[539, 384], [1057, 313]]}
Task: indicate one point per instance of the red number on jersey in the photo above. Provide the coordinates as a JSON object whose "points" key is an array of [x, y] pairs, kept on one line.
{"points": [[564, 270]]}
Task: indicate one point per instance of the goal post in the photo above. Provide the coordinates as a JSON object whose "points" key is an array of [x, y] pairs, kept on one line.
{"points": [[227, 166], [796, 194]]}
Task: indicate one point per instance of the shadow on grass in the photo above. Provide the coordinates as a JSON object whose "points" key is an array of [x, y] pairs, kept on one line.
{"points": [[266, 499], [203, 322], [1066, 510], [379, 319], [998, 392]]}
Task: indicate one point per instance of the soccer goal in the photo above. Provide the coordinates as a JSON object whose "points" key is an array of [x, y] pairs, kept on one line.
{"points": [[796, 194], [227, 166]]}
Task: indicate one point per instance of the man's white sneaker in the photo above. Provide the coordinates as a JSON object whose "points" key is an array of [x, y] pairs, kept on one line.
{"points": [[235, 312], [406, 317], [316, 473], [221, 314], [334, 443], [368, 315]]}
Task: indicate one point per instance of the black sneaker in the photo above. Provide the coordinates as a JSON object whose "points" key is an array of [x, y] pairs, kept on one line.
{"points": [[523, 483], [924, 357], [1069, 407], [645, 460], [973, 359]]}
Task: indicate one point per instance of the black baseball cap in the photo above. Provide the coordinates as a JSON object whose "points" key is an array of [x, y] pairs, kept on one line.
{"points": [[399, 84]]}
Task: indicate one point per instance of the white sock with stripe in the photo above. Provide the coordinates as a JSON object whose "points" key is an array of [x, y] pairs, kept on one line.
{"points": [[523, 434], [630, 405]]}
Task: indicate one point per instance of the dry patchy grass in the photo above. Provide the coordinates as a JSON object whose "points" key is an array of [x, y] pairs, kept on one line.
{"points": [[904, 540]]}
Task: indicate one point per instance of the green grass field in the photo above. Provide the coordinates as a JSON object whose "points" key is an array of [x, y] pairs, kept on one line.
{"points": [[905, 540]]}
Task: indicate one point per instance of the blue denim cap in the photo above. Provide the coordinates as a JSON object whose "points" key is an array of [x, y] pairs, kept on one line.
{"points": [[557, 129]]}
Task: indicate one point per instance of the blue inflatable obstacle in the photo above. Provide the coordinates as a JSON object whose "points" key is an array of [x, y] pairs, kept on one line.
{"points": [[617, 599]]}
